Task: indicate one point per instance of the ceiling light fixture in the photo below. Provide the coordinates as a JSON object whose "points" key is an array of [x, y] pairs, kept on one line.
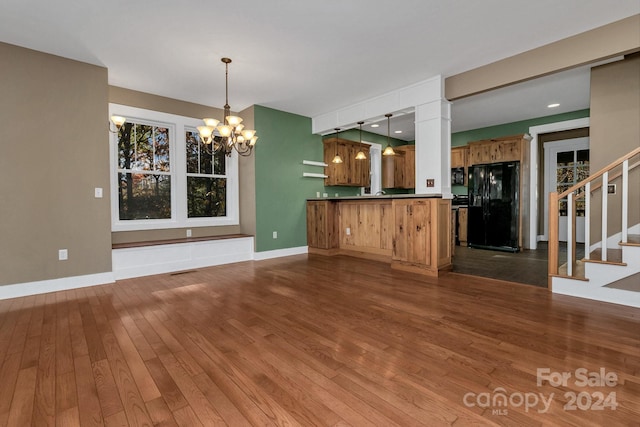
{"points": [[337, 158], [388, 151], [397, 131], [553, 105], [375, 125], [361, 155], [231, 133]]}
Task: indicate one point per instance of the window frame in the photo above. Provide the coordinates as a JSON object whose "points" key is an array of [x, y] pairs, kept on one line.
{"points": [[178, 126]]}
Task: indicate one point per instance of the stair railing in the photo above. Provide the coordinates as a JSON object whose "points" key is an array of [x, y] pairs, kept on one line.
{"points": [[584, 190]]}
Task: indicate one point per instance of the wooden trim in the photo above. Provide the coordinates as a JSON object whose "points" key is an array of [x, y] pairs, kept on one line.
{"points": [[176, 241], [553, 237]]}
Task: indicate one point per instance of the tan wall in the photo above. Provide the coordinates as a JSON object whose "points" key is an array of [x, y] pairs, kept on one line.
{"points": [[247, 169], [615, 131], [618, 38], [137, 99], [53, 133]]}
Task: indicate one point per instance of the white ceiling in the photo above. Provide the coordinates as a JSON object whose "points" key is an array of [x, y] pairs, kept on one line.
{"points": [[303, 57]]}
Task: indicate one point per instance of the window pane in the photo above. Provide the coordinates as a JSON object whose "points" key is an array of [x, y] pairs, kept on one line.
{"points": [[144, 196], [199, 161], [143, 147], [206, 197]]}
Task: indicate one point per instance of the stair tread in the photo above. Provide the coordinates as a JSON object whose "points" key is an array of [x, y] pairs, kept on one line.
{"points": [[614, 256], [632, 240], [630, 283]]}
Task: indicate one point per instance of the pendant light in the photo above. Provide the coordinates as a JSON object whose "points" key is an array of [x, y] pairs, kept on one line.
{"points": [[337, 158], [388, 151], [361, 155]]}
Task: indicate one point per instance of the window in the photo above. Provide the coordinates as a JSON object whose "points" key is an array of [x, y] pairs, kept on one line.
{"points": [[162, 177]]}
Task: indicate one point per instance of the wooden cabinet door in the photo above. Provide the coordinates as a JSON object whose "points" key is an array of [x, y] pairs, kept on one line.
{"points": [[458, 157], [412, 236], [476, 154], [321, 224], [511, 150], [409, 179], [462, 225], [496, 150]]}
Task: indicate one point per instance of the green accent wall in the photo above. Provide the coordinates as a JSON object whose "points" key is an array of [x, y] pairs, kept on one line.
{"points": [[281, 190], [463, 138]]}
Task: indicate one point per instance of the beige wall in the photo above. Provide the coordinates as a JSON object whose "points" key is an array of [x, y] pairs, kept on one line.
{"points": [[618, 38], [615, 131], [53, 133], [134, 98], [247, 169]]}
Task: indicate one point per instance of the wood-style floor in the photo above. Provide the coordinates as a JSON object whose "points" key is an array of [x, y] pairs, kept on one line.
{"points": [[313, 340]]}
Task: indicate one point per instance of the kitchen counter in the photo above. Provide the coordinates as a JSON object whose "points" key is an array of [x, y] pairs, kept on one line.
{"points": [[381, 197], [410, 231]]}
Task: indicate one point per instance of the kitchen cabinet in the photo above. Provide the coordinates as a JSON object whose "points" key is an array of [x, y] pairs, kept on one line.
{"points": [[459, 157], [322, 231], [505, 149], [351, 172], [460, 162], [462, 225], [399, 171], [412, 233], [422, 234]]}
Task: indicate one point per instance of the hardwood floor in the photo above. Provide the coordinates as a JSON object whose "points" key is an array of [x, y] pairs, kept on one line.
{"points": [[313, 340]]}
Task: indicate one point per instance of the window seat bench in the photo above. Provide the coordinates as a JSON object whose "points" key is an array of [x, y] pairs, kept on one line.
{"points": [[145, 258]]}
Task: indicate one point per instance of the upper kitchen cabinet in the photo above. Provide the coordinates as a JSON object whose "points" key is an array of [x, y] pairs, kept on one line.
{"points": [[505, 149], [351, 172], [399, 171], [459, 157]]}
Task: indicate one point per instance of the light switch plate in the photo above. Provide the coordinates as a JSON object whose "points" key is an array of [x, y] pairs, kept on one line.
{"points": [[98, 193]]}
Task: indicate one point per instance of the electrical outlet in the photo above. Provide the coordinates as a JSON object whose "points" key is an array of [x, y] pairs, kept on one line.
{"points": [[63, 255], [348, 231], [275, 234], [189, 233], [317, 194], [325, 195], [431, 182]]}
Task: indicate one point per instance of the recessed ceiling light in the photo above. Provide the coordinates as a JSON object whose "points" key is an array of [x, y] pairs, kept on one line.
{"points": [[553, 105], [375, 125], [397, 131]]}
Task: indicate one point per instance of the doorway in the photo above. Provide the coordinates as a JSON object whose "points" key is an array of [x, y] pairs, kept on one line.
{"points": [[566, 163]]}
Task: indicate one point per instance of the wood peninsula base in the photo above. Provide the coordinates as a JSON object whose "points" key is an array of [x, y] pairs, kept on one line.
{"points": [[411, 233]]}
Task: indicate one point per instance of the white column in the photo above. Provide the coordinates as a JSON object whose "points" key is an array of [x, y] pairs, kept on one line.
{"points": [[433, 147]]}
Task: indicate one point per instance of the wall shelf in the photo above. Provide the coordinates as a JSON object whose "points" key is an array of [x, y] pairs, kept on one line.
{"points": [[314, 175], [314, 163]]}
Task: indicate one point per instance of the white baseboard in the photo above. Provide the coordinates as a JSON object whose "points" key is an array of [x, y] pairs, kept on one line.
{"points": [[159, 259], [258, 256], [578, 288], [54, 285], [148, 260]]}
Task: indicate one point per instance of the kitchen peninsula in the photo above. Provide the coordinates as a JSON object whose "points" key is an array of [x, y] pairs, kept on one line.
{"points": [[410, 231]]}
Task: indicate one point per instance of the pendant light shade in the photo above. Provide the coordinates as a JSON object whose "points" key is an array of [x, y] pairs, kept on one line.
{"points": [[337, 158], [388, 151], [361, 155]]}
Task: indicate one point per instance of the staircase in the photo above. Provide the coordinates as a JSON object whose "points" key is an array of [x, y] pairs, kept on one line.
{"points": [[610, 270]]}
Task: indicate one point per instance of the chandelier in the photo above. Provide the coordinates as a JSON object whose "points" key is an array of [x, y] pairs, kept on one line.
{"points": [[231, 134]]}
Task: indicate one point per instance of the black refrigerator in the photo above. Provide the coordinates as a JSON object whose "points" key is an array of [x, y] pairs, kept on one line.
{"points": [[494, 203]]}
